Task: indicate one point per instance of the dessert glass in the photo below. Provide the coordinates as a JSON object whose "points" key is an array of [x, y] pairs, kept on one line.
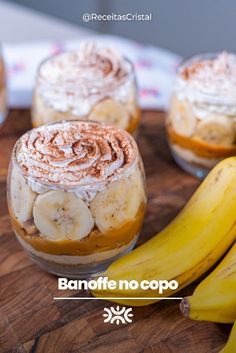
{"points": [[92, 83], [76, 196], [3, 91], [202, 117]]}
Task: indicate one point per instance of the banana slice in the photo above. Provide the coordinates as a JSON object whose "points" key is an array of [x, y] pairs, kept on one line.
{"points": [[182, 117], [116, 205], [61, 215], [137, 179], [216, 129], [21, 196], [112, 112]]}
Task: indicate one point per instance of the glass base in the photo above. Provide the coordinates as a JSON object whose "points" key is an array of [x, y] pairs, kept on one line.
{"points": [[82, 271], [191, 168]]}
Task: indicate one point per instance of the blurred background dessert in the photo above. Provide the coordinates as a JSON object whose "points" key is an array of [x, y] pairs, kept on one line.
{"points": [[93, 83], [201, 124]]}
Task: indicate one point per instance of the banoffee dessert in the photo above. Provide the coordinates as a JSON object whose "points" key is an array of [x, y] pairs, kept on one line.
{"points": [[93, 83], [201, 124], [76, 195]]}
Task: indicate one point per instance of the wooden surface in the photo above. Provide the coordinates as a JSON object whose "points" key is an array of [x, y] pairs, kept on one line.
{"points": [[32, 322]]}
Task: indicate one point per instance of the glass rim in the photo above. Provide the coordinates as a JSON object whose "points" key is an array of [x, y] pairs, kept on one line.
{"points": [[129, 77], [77, 185]]}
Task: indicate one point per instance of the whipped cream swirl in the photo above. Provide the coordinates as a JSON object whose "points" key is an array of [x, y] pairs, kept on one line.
{"points": [[210, 81], [75, 154], [74, 81]]}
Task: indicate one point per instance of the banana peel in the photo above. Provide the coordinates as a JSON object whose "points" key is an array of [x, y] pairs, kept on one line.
{"points": [[215, 297]]}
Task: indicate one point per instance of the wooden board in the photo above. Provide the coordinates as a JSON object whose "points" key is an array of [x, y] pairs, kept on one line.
{"points": [[32, 322]]}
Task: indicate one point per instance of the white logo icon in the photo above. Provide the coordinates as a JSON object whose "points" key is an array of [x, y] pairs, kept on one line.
{"points": [[118, 315]]}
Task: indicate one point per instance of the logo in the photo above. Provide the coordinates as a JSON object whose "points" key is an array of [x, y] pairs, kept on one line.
{"points": [[118, 315]]}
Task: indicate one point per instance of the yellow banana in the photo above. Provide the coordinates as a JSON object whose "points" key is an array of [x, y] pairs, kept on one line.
{"points": [[231, 344], [215, 297], [188, 246]]}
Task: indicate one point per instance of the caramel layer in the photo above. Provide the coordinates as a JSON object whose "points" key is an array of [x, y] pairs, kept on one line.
{"points": [[93, 243], [199, 147]]}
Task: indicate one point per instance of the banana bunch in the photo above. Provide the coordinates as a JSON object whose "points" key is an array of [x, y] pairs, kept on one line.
{"points": [[215, 297], [231, 344], [188, 246]]}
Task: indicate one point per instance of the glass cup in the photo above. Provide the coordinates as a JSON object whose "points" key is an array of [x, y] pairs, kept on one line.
{"points": [[92, 83], [3, 90], [76, 196], [201, 123]]}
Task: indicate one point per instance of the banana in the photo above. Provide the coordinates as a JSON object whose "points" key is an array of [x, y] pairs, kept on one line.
{"points": [[112, 112], [137, 178], [215, 297], [21, 196], [216, 130], [182, 117], [188, 246], [231, 344], [116, 205], [61, 215]]}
